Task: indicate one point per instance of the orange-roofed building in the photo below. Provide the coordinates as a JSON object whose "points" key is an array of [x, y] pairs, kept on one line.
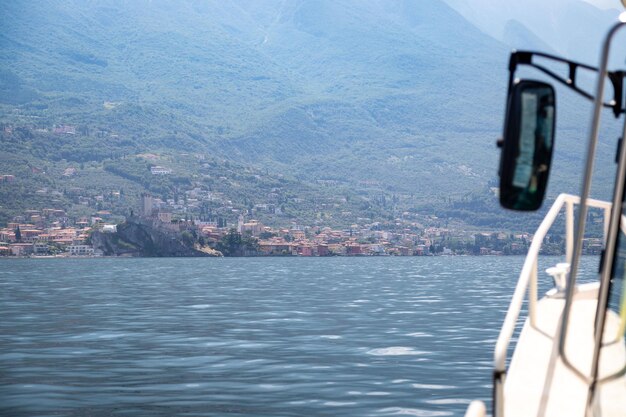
{"points": [[30, 235], [354, 249], [21, 249], [305, 250], [7, 235]]}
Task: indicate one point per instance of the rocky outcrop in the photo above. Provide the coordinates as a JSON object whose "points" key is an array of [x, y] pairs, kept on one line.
{"points": [[141, 239]]}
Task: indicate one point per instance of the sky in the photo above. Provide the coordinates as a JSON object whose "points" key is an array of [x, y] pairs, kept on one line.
{"points": [[606, 4]]}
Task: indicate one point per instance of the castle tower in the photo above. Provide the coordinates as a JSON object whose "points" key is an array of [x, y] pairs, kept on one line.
{"points": [[146, 205], [240, 224]]}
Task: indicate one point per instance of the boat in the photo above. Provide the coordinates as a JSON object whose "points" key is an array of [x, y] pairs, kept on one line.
{"points": [[569, 358]]}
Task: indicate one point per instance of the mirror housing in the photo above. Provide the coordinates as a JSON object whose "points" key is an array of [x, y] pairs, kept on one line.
{"points": [[527, 145]]}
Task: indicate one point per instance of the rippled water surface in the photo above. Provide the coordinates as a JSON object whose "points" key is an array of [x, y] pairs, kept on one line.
{"points": [[250, 337]]}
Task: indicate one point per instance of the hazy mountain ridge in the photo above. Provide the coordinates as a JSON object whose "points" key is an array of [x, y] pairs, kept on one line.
{"points": [[402, 95], [570, 27]]}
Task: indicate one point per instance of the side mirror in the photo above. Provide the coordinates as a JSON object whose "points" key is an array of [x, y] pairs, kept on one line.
{"points": [[527, 145]]}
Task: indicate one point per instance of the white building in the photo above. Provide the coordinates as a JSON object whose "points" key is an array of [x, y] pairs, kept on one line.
{"points": [[41, 248], [80, 250], [159, 170]]}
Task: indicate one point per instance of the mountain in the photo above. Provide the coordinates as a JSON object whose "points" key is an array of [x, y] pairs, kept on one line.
{"points": [[284, 81], [393, 96], [515, 33]]}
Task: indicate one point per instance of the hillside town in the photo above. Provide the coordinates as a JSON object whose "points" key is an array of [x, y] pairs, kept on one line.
{"points": [[50, 232], [53, 209]]}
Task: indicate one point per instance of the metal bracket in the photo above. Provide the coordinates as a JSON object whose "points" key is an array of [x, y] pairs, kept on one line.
{"points": [[616, 77]]}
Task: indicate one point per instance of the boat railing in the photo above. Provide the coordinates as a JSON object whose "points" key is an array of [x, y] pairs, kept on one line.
{"points": [[528, 281]]}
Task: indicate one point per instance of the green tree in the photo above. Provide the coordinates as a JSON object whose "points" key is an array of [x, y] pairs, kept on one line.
{"points": [[188, 239], [266, 235], [230, 243], [233, 244]]}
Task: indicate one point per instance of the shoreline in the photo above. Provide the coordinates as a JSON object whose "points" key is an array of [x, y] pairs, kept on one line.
{"points": [[267, 256]]}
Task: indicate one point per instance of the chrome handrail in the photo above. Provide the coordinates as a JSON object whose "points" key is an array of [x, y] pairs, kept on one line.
{"points": [[528, 281]]}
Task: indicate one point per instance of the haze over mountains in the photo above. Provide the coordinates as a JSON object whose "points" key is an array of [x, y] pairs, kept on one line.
{"points": [[572, 28], [401, 95]]}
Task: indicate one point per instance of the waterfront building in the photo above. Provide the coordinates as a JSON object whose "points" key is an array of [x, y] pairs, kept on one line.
{"points": [[80, 250], [21, 249]]}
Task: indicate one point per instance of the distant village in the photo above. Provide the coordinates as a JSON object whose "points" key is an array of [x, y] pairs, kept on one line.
{"points": [[53, 232], [50, 232]]}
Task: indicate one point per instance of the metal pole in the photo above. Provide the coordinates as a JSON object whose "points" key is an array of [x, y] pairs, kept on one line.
{"points": [[569, 231], [532, 296], [607, 221], [584, 195], [607, 265]]}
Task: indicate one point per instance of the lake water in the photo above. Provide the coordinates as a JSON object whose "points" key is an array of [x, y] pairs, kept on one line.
{"points": [[251, 336]]}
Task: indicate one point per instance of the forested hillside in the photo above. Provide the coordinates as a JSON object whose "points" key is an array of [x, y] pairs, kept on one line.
{"points": [[385, 97]]}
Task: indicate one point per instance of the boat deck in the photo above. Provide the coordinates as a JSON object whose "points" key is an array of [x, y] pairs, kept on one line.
{"points": [[539, 384]]}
